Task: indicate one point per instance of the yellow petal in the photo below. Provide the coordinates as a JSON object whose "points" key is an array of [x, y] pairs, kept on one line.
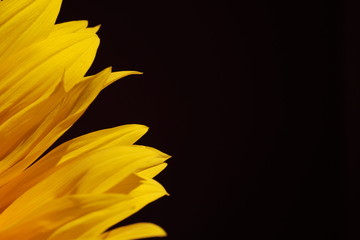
{"points": [[68, 27], [127, 185], [42, 222], [117, 75], [122, 135], [94, 224], [21, 125], [95, 172], [135, 231], [52, 127], [153, 171], [43, 66], [24, 22], [72, 27], [57, 122], [84, 186], [101, 179]]}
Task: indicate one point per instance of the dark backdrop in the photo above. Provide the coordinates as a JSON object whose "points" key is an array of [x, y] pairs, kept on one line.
{"points": [[258, 103]]}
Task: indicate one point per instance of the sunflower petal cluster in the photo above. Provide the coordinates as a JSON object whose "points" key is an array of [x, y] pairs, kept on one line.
{"points": [[86, 185]]}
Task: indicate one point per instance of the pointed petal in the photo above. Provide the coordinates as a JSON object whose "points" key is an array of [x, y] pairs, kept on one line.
{"points": [[135, 231], [101, 179], [153, 171], [68, 27], [72, 27], [42, 222], [84, 216], [122, 135], [52, 127], [94, 224], [22, 124], [43, 66], [95, 172], [117, 75]]}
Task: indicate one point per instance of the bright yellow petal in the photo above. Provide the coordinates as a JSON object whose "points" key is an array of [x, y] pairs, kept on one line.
{"points": [[135, 231], [21, 125], [42, 69], [52, 127], [84, 186], [117, 75], [68, 27], [104, 178], [42, 222], [95, 172], [94, 224], [84, 216], [24, 22], [153, 171], [122, 135], [61, 118]]}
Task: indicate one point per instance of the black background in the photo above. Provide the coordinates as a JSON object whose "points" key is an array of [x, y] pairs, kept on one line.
{"points": [[258, 103]]}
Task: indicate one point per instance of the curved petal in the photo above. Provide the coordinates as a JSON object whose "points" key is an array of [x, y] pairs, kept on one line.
{"points": [[122, 135], [47, 131], [82, 216], [68, 27], [117, 75], [42, 65], [135, 231], [82, 187], [95, 172], [153, 171], [58, 212], [95, 223]]}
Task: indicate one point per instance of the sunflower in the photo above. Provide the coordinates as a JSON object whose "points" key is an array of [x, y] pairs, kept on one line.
{"points": [[86, 185]]}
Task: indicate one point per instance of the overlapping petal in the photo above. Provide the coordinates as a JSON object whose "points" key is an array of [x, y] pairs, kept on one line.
{"points": [[24, 22], [82, 216], [86, 185]]}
